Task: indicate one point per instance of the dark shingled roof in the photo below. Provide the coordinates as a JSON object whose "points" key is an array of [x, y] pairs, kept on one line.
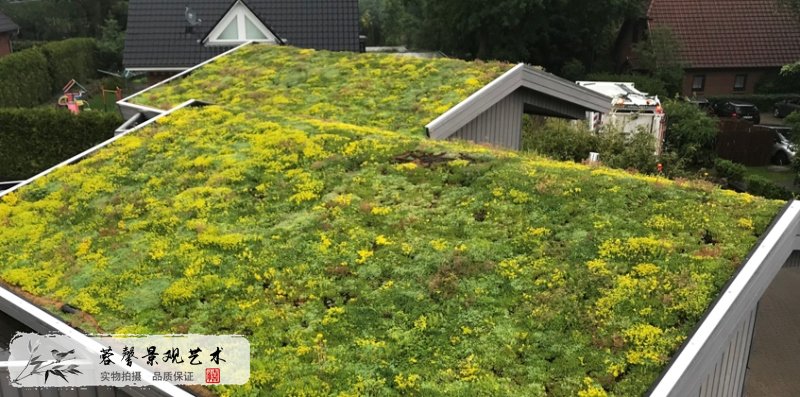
{"points": [[156, 33], [6, 24], [730, 33]]}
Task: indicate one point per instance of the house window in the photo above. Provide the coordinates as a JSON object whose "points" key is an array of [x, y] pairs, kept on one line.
{"points": [[740, 82], [239, 25], [699, 82]]}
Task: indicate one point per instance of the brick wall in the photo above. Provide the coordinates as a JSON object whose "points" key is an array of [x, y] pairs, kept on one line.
{"points": [[721, 82], [5, 44]]}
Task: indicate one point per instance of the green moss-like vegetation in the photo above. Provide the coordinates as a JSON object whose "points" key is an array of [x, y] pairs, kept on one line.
{"points": [[385, 91], [360, 261]]}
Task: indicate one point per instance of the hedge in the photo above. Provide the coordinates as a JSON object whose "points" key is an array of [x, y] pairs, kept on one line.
{"points": [[32, 140], [70, 59], [761, 186], [765, 102], [24, 79], [31, 77]]}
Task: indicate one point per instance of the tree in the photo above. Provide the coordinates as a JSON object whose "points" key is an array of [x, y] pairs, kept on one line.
{"points": [[543, 32], [659, 55], [691, 134], [60, 19]]}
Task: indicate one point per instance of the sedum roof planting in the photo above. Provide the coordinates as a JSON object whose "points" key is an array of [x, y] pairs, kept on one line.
{"points": [[385, 91], [362, 261]]}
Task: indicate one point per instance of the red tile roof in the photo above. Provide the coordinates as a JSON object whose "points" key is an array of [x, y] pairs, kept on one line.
{"points": [[730, 33]]}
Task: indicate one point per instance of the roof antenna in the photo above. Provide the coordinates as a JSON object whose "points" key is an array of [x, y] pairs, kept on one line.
{"points": [[192, 19]]}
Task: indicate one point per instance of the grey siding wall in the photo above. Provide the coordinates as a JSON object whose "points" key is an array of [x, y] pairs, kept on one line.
{"points": [[727, 377], [501, 124]]}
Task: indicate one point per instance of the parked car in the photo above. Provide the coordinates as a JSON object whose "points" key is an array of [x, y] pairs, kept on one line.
{"points": [[783, 149], [738, 110], [785, 107]]}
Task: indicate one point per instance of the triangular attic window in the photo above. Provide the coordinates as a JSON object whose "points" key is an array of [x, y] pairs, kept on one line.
{"points": [[239, 25]]}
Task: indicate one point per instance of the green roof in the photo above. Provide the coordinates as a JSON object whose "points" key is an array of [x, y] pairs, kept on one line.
{"points": [[386, 91], [362, 261]]}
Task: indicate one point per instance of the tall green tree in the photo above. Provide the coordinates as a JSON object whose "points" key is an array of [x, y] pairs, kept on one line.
{"points": [[544, 32], [660, 56], [59, 19]]}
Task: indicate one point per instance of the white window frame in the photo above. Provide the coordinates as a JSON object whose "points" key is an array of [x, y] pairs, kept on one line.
{"points": [[238, 12]]}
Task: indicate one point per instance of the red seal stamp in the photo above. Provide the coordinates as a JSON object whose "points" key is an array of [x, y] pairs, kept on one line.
{"points": [[212, 375]]}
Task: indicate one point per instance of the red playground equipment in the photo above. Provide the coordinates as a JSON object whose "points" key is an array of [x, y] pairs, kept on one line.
{"points": [[73, 99]]}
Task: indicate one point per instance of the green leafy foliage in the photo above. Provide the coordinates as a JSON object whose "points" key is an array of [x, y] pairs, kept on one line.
{"points": [[24, 79], [729, 170], [691, 134], [570, 141], [659, 54], [558, 139], [70, 59], [761, 186], [31, 140], [542, 32], [48, 20]]}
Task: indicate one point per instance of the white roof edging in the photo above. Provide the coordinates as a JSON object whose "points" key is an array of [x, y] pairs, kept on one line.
{"points": [[520, 76], [508, 75], [85, 341], [95, 148], [691, 351]]}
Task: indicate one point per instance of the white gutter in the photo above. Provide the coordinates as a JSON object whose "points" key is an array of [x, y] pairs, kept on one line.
{"points": [[85, 341], [693, 349], [510, 74]]}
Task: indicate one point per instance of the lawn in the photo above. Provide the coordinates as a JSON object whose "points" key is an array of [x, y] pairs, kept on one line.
{"points": [[359, 260], [782, 176]]}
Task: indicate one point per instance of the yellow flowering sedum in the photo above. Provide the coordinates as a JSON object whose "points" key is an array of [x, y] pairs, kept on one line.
{"points": [[301, 212]]}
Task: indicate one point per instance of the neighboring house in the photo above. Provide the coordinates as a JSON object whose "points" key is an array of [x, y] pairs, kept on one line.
{"points": [[168, 36], [8, 29], [727, 46]]}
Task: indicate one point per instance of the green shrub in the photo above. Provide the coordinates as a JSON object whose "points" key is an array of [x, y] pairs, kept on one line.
{"points": [[558, 139], [21, 45], [691, 134], [620, 150], [24, 79], [729, 170], [650, 85], [761, 186], [32, 140], [565, 140], [70, 59]]}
